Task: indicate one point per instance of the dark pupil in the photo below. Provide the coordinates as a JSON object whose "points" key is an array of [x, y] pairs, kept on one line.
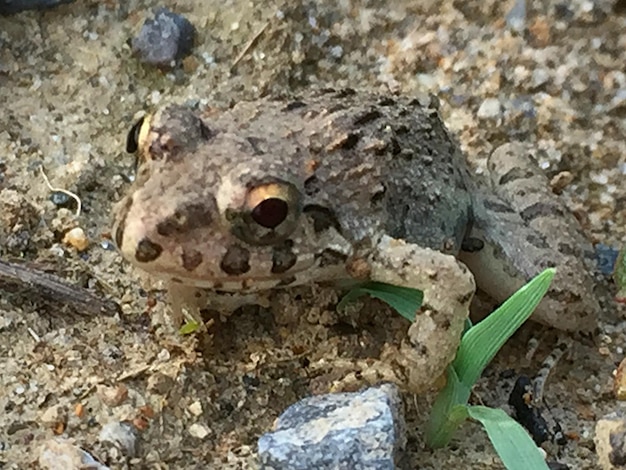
{"points": [[132, 139], [271, 212]]}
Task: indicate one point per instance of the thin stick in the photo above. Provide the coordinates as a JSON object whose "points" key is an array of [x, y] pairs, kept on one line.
{"points": [[52, 290], [248, 47]]}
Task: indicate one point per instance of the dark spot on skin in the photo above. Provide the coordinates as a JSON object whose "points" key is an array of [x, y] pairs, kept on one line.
{"points": [[349, 141], [283, 257], [330, 257], [176, 280], [563, 296], [191, 259], [472, 244], [323, 218], [377, 198], [256, 143], [286, 281], [345, 92], [367, 117], [387, 102], [335, 109], [312, 186], [496, 206], [236, 261], [132, 139], [205, 132], [402, 129], [541, 209], [122, 215], [466, 298], [515, 174], [294, 105], [568, 249], [394, 147], [147, 251], [538, 240], [187, 217]]}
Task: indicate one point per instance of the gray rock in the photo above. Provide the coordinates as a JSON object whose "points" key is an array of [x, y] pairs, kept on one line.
{"points": [[516, 17], [164, 40], [121, 436], [356, 431]]}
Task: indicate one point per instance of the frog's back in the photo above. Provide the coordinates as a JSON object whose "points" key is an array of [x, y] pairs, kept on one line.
{"points": [[378, 163]]}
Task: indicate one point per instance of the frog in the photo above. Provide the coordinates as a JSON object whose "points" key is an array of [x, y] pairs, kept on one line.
{"points": [[335, 185]]}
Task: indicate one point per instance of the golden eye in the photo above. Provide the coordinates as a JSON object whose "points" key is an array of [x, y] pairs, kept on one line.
{"points": [[269, 215]]}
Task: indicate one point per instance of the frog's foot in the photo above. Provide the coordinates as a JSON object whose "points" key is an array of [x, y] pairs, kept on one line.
{"points": [[448, 288], [521, 227]]}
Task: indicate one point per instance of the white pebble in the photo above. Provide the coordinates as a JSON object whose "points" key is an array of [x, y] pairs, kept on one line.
{"points": [[490, 109]]}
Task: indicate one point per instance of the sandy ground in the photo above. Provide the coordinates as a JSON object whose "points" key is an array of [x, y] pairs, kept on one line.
{"points": [[70, 90]]}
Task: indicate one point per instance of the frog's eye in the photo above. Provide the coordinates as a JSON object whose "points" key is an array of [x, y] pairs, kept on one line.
{"points": [[269, 215], [132, 139]]}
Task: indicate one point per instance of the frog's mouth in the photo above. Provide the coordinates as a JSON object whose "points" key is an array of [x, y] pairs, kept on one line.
{"points": [[249, 284]]}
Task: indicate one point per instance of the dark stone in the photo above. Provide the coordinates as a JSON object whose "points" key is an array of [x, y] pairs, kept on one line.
{"points": [[165, 40]]}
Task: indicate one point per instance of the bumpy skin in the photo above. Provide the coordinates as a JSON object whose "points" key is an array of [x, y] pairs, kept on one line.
{"points": [[334, 185]]}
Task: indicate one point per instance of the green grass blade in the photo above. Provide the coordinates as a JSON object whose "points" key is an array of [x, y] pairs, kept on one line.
{"points": [[481, 343], [443, 421], [402, 299], [512, 443]]}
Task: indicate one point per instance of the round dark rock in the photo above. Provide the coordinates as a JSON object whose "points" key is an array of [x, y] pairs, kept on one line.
{"points": [[164, 40]]}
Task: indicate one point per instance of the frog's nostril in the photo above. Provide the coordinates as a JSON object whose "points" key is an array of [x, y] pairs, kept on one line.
{"points": [[271, 212]]}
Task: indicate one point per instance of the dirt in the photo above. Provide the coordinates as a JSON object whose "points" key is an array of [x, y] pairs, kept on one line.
{"points": [[71, 90]]}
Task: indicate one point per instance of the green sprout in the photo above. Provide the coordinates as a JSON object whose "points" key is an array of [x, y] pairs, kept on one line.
{"points": [[479, 345]]}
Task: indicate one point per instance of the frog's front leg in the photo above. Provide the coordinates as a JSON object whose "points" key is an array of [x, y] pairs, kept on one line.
{"points": [[448, 288]]}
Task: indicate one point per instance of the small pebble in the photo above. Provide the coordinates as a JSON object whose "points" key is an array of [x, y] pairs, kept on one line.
{"points": [[113, 396], [199, 431], [121, 435], [76, 238], [560, 181], [195, 408], [62, 199], [160, 383], [490, 109], [54, 415], [619, 382], [606, 257], [164, 40]]}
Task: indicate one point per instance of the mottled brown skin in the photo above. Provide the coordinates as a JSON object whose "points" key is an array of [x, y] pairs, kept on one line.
{"points": [[326, 187]]}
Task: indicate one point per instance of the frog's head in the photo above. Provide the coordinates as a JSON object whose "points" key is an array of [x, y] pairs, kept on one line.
{"points": [[213, 207]]}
